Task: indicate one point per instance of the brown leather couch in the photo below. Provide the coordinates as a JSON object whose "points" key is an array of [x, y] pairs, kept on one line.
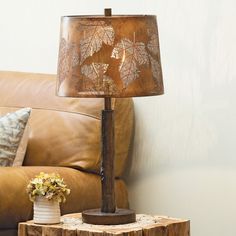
{"points": [[64, 138]]}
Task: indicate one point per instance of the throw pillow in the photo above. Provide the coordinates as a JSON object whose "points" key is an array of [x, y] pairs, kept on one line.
{"points": [[12, 127], [20, 154]]}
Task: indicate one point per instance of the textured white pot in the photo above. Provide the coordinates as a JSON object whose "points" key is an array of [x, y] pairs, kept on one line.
{"points": [[46, 212]]}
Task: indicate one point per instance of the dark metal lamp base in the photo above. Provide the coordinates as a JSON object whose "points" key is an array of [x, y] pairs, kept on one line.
{"points": [[96, 217]]}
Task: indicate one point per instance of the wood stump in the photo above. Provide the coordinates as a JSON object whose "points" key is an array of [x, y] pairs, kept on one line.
{"points": [[72, 225]]}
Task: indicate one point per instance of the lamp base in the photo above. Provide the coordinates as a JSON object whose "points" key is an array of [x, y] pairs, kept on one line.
{"points": [[96, 217]]}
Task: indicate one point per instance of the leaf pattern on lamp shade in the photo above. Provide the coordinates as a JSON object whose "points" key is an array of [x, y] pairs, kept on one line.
{"points": [[156, 67], [131, 55], [153, 44], [153, 47], [94, 34], [68, 55], [74, 56], [96, 80]]}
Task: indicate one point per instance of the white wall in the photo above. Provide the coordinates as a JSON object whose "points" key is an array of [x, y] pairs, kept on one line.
{"points": [[184, 160]]}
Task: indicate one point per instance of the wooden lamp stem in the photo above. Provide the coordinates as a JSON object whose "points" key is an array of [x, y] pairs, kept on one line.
{"points": [[108, 214], [107, 168]]}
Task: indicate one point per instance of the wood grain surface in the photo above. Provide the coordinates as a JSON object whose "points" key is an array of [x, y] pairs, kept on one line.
{"points": [[145, 226]]}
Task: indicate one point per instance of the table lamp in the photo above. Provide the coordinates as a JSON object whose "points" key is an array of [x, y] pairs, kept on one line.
{"points": [[109, 56]]}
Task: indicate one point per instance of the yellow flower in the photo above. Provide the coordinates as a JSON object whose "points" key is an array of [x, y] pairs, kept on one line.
{"points": [[51, 186]]}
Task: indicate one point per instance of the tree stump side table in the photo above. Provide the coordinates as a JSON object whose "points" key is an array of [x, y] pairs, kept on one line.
{"points": [[72, 225]]}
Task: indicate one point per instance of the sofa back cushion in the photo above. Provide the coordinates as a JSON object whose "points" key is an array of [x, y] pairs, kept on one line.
{"points": [[64, 131]]}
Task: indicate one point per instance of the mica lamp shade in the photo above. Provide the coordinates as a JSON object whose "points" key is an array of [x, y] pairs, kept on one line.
{"points": [[109, 56]]}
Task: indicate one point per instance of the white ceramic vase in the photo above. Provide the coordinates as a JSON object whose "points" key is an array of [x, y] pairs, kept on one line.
{"points": [[46, 212]]}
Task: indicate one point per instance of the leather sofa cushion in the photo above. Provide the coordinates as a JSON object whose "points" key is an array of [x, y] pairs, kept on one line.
{"points": [[65, 131], [85, 192]]}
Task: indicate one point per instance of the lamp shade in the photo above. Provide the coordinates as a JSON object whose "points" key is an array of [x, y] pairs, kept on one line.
{"points": [[109, 56]]}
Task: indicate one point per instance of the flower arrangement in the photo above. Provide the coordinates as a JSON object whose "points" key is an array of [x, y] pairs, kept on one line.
{"points": [[50, 186]]}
